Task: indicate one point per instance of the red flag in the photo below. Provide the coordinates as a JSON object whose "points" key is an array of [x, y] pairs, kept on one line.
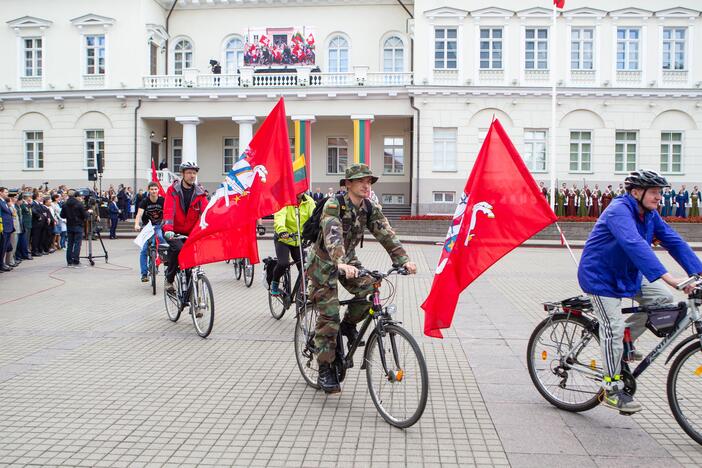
{"points": [[495, 222], [260, 183], [559, 3], [154, 178]]}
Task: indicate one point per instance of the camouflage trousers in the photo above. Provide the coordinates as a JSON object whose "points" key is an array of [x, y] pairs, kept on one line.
{"points": [[324, 294]]}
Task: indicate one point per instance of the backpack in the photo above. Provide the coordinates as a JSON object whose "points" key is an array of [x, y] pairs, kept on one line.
{"points": [[312, 229]]}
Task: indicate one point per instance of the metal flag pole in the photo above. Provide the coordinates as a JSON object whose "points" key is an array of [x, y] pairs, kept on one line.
{"points": [[565, 241], [303, 280], [554, 44]]}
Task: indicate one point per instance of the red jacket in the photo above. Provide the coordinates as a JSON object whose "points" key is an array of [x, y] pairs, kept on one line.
{"points": [[174, 217]]}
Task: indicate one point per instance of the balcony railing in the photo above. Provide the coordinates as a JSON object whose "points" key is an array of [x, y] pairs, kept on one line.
{"points": [[247, 78]]}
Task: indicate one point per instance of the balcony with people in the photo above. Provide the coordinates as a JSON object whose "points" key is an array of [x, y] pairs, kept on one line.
{"points": [[282, 58]]}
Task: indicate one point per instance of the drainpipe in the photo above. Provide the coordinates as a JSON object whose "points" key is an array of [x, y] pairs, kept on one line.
{"points": [[419, 134], [136, 110], [168, 17]]}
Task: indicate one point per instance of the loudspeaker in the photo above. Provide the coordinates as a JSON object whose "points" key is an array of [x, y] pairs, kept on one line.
{"points": [[92, 174], [100, 163]]}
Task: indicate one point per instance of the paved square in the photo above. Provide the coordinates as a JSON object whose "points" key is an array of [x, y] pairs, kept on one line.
{"points": [[92, 373]]}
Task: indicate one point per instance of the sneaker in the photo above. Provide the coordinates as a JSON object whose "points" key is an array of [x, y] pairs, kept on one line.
{"points": [[622, 402], [274, 289], [636, 355], [170, 287], [327, 379], [144, 279]]}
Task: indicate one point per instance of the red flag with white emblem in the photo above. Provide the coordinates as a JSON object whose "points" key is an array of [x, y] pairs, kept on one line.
{"points": [[501, 207]]}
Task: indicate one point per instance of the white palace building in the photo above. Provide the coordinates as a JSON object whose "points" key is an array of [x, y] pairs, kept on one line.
{"points": [[132, 79]]}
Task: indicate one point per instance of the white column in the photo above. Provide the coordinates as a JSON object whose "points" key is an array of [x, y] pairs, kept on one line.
{"points": [[246, 123], [189, 138]]}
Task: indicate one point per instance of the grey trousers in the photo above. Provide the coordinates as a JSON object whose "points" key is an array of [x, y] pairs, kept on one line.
{"points": [[612, 324]]}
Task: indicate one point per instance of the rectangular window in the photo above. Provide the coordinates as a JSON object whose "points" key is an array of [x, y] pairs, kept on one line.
{"points": [[628, 48], [337, 154], [445, 48], [536, 49], [393, 155], [444, 197], [582, 42], [33, 150], [177, 151], [580, 151], [671, 152], [444, 149], [625, 149], [95, 54], [535, 150], [33, 60], [674, 48], [231, 152], [393, 199], [490, 48], [94, 145]]}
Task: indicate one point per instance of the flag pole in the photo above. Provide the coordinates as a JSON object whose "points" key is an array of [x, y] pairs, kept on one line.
{"points": [[303, 280], [565, 241], [554, 57]]}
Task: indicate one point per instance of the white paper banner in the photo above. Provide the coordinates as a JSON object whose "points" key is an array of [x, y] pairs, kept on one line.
{"points": [[146, 233]]}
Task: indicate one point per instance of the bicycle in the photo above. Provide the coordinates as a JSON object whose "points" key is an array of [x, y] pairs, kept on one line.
{"points": [[385, 358], [245, 266], [279, 304], [192, 289], [151, 256], [565, 370]]}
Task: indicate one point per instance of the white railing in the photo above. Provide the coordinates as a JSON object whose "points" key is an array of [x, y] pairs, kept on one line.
{"points": [[280, 80], [536, 75], [582, 77], [30, 82], [491, 77], [674, 77], [94, 81], [629, 77]]}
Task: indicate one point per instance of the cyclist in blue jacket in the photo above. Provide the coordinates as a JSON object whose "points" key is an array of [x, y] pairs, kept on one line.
{"points": [[618, 262]]}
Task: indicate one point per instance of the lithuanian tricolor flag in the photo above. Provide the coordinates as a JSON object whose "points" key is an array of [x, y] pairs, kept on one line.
{"points": [[301, 158], [361, 141]]}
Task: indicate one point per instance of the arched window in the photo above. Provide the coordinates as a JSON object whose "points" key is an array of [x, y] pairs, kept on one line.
{"points": [[233, 55], [182, 56], [393, 55], [338, 55]]}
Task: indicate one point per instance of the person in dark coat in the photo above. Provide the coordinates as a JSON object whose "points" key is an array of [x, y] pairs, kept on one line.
{"points": [[39, 223], [122, 201], [114, 213], [7, 228], [75, 214], [24, 211]]}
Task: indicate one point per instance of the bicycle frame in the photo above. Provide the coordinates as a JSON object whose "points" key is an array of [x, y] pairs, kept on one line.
{"points": [[693, 317]]}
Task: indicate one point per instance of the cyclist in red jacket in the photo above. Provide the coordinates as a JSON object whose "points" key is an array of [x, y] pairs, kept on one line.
{"points": [[185, 202]]}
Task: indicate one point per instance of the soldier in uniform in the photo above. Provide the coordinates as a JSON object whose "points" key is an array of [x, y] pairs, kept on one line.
{"points": [[341, 230]]}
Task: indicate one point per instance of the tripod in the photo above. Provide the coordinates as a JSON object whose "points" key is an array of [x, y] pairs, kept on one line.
{"points": [[94, 231]]}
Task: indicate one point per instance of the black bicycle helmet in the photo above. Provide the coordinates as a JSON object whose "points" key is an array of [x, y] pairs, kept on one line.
{"points": [[189, 165], [644, 179]]}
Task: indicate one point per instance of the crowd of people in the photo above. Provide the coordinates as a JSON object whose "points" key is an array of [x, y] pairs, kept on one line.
{"points": [[587, 202]]}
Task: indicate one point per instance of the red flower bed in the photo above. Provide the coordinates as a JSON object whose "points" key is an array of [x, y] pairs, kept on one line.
{"points": [[577, 219], [567, 219], [426, 218]]}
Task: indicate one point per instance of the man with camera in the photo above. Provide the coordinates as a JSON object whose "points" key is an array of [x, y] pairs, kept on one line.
{"points": [[75, 214]]}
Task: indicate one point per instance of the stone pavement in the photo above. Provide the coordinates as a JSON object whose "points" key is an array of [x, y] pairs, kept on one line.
{"points": [[92, 373]]}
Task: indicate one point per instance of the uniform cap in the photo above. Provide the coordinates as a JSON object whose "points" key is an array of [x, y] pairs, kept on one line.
{"points": [[358, 171]]}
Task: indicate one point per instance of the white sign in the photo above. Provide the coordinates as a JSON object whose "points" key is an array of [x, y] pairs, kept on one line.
{"points": [[146, 233]]}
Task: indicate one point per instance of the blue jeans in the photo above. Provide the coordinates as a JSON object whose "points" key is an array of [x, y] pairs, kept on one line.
{"points": [[22, 247], [75, 237], [62, 242], [143, 258]]}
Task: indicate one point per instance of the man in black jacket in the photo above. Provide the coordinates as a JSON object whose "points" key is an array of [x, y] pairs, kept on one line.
{"points": [[75, 214], [39, 222]]}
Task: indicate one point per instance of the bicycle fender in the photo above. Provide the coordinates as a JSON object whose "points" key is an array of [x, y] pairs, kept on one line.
{"points": [[680, 346]]}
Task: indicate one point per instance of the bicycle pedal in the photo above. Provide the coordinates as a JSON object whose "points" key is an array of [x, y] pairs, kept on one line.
{"points": [[625, 414]]}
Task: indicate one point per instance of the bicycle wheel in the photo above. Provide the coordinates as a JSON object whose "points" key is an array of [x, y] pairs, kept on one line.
{"points": [[553, 375], [152, 270], [304, 345], [248, 272], [684, 385], [280, 303], [237, 268], [173, 305], [400, 394], [202, 306]]}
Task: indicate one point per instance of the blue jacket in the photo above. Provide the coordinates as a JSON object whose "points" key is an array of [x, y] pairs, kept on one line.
{"points": [[113, 209], [618, 251], [6, 212]]}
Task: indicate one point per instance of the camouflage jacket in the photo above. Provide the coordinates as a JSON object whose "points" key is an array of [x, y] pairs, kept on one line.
{"points": [[342, 230]]}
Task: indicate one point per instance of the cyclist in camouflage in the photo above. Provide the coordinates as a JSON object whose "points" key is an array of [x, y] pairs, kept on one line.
{"points": [[341, 230]]}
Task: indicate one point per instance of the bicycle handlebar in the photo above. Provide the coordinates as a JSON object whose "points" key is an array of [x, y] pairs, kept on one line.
{"points": [[379, 274], [694, 279]]}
